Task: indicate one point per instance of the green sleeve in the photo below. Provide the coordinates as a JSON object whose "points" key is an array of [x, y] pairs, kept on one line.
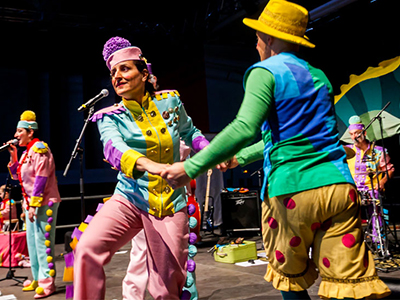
{"points": [[251, 154], [243, 129]]}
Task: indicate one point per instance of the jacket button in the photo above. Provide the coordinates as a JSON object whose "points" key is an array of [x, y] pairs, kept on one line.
{"points": [[163, 130], [153, 114], [167, 189], [148, 132]]}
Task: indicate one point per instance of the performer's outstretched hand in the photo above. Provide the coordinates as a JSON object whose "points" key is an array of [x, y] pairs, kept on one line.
{"points": [[144, 164], [229, 164], [175, 175]]}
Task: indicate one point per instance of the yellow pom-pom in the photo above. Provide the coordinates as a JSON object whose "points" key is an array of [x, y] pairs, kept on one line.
{"points": [[28, 115], [47, 243], [47, 228], [52, 272], [39, 290], [49, 212], [49, 259]]}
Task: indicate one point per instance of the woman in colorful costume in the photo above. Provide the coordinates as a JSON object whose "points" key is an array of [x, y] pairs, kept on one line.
{"points": [[309, 197], [36, 174], [6, 205], [140, 135]]}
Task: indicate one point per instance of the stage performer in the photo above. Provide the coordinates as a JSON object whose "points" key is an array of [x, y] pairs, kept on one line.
{"points": [[309, 197], [369, 158], [36, 174], [5, 206], [140, 135]]}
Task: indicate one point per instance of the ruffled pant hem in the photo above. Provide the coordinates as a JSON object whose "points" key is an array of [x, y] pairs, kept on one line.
{"points": [[368, 288], [293, 283]]}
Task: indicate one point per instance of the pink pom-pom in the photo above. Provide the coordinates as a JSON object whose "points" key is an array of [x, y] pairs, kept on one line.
{"points": [[27, 283]]}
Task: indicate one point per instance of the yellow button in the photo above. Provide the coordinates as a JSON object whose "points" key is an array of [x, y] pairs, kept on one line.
{"points": [[148, 132], [167, 150], [153, 152], [153, 113]]}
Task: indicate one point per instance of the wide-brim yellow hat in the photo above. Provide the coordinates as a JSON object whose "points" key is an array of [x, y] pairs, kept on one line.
{"points": [[284, 20]]}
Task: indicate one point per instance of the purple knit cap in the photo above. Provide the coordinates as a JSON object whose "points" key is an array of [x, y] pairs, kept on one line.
{"points": [[118, 49], [355, 123]]}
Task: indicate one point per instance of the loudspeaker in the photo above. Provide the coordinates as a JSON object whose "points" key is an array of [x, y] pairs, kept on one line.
{"points": [[241, 212]]}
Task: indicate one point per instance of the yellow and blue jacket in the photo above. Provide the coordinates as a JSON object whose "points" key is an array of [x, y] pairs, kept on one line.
{"points": [[153, 129]]}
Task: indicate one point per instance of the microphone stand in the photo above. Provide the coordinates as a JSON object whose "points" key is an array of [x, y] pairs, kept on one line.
{"points": [[78, 150], [10, 273]]}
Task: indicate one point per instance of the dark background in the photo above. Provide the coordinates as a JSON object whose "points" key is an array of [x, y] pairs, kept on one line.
{"points": [[51, 62]]}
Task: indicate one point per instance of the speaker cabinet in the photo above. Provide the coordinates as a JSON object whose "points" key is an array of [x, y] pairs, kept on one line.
{"points": [[241, 213]]}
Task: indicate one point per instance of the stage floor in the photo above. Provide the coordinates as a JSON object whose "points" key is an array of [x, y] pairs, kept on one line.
{"points": [[215, 280]]}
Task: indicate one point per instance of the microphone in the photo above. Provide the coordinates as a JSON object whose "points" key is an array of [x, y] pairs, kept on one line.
{"points": [[93, 101], [6, 146]]}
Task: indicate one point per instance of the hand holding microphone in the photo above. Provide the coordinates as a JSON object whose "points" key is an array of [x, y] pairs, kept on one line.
{"points": [[93, 101], [7, 145]]}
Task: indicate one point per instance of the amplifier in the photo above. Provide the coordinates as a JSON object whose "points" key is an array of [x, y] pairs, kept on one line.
{"points": [[241, 212]]}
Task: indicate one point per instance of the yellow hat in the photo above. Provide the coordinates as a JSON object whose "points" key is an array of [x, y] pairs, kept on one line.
{"points": [[284, 20], [28, 120]]}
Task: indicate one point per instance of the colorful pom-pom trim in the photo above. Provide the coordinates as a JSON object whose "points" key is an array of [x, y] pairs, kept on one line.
{"points": [[47, 243]]}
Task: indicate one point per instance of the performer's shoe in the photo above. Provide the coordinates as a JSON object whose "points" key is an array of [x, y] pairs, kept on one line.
{"points": [[46, 288], [34, 284], [43, 293]]}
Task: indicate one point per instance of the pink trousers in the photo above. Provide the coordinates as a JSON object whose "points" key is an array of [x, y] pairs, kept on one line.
{"points": [[116, 224], [135, 282]]}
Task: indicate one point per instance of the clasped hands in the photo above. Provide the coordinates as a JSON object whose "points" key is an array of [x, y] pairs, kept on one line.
{"points": [[175, 174]]}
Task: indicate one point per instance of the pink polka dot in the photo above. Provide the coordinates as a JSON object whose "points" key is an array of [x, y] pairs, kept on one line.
{"points": [[349, 240], [279, 256], [272, 222], [326, 225], [366, 262], [326, 262], [353, 195], [295, 241], [289, 203], [315, 226]]}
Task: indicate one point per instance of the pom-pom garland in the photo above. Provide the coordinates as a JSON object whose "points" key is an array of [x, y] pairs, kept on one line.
{"points": [[48, 227]]}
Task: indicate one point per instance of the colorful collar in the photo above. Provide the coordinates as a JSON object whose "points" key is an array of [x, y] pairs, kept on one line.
{"points": [[134, 106], [31, 143]]}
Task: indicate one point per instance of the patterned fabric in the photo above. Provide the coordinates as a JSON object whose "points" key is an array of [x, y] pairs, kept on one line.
{"points": [[152, 129], [331, 226], [36, 172], [304, 147], [370, 161]]}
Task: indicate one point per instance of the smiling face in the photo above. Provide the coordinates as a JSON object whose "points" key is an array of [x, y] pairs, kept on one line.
{"points": [[128, 81], [24, 136], [358, 136]]}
